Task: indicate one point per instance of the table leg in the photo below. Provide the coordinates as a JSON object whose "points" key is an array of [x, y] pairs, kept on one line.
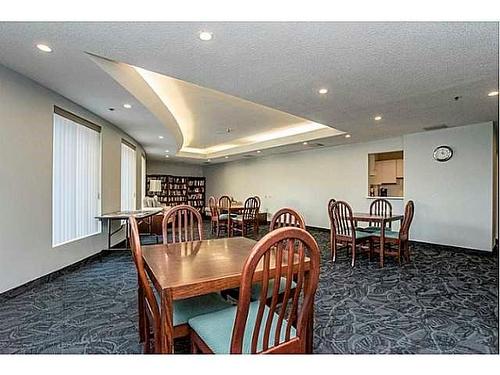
{"points": [[310, 322], [166, 334], [382, 243]]}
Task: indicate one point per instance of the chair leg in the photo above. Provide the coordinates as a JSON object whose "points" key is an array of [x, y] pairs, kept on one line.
{"points": [[141, 313], [353, 246], [370, 251], [147, 337], [334, 250]]}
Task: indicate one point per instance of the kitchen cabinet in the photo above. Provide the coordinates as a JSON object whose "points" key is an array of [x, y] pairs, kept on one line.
{"points": [[399, 168], [372, 171]]}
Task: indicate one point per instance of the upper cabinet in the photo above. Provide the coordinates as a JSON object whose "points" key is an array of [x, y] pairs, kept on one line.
{"points": [[400, 168], [385, 172]]}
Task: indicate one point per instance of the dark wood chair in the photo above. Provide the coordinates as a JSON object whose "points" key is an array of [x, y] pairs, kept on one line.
{"points": [[381, 207], [344, 231], [214, 216], [225, 215], [330, 204], [182, 223], [246, 221], [254, 326], [257, 218], [398, 242], [148, 302], [287, 217]]}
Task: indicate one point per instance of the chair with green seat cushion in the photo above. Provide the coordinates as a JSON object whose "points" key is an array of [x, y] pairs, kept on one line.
{"points": [[224, 216], [343, 230], [388, 233], [257, 288], [148, 302], [219, 339], [261, 326]]}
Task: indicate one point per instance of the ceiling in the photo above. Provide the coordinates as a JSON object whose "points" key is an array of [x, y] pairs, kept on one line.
{"points": [[409, 73]]}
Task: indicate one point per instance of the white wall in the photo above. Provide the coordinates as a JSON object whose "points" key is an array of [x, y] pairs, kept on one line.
{"points": [[308, 179], [454, 200], [176, 169], [26, 122]]}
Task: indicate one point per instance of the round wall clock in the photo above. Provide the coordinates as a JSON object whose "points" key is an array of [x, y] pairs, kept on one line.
{"points": [[443, 153]]}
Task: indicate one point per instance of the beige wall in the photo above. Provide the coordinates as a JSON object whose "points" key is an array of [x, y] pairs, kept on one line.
{"points": [[172, 168], [26, 122], [458, 212]]}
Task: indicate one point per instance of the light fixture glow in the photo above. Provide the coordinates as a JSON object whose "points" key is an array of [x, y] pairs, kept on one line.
{"points": [[167, 150], [167, 156], [209, 160], [493, 93], [305, 143], [226, 157], [377, 118], [348, 136], [126, 105], [205, 35], [323, 91], [160, 136], [258, 151], [44, 47]]}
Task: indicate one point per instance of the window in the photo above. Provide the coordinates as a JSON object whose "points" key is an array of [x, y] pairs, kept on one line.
{"points": [[386, 174], [143, 179], [128, 183], [76, 178]]}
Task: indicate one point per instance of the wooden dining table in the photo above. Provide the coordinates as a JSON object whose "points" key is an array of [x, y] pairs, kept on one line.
{"points": [[190, 269], [382, 220]]}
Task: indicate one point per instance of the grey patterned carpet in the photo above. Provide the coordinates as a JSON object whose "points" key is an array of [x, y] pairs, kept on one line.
{"points": [[443, 302]]}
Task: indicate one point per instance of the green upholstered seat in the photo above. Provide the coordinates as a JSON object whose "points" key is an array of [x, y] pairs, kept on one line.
{"points": [[388, 233], [360, 235], [224, 216], [369, 229], [257, 288], [216, 329], [186, 309]]}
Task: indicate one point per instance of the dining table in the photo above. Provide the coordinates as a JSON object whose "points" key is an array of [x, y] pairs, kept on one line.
{"points": [[382, 220], [189, 269]]}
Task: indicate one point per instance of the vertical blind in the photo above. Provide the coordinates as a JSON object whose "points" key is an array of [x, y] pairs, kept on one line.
{"points": [[76, 180], [128, 183], [143, 179]]}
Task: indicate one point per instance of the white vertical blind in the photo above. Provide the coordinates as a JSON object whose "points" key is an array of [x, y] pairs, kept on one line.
{"points": [[76, 181], [143, 181], [128, 182]]}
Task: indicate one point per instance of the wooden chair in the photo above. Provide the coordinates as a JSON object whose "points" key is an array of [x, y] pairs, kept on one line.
{"points": [[183, 222], [287, 217], [253, 326], [381, 207], [242, 223], [399, 240], [257, 219], [214, 216], [148, 303], [330, 204], [344, 230], [225, 215]]}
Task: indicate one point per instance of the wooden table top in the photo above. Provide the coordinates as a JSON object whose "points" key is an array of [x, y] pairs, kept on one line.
{"points": [[186, 267], [363, 216]]}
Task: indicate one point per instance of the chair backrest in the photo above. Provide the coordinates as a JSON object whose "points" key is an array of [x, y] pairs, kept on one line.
{"points": [[281, 254], [251, 208], [214, 210], [330, 203], [381, 207], [287, 217], [181, 224], [258, 199], [340, 214], [143, 280], [407, 219], [224, 204]]}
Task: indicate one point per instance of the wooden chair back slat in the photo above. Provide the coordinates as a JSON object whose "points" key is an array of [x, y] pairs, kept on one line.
{"points": [[250, 209], [279, 254], [287, 217], [381, 207], [224, 204], [184, 223], [212, 204], [341, 219]]}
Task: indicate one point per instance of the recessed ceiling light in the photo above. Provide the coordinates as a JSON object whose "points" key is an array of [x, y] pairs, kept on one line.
{"points": [[128, 106], [377, 118], [167, 156], [167, 150], [209, 160], [205, 35], [258, 151], [323, 91], [305, 143], [348, 136], [160, 136], [493, 93], [44, 47], [225, 157]]}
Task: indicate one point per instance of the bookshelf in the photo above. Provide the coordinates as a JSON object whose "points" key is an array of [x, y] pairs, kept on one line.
{"points": [[177, 190]]}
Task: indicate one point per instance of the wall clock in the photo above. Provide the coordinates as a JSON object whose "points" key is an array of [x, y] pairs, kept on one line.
{"points": [[442, 153]]}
